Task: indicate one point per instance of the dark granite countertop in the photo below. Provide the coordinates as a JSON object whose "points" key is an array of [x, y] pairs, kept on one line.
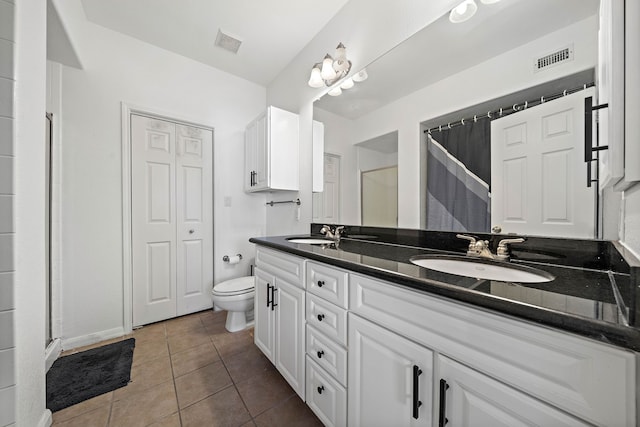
{"points": [[585, 301]]}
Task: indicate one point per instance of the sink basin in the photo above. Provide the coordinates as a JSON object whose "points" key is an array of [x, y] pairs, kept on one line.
{"points": [[482, 268], [310, 240]]}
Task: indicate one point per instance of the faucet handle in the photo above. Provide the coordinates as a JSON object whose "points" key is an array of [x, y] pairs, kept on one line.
{"points": [[471, 239], [503, 251], [325, 229]]}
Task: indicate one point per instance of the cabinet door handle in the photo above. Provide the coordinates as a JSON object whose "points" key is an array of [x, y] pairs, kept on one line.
{"points": [[320, 283], [320, 317], [416, 391], [273, 298], [268, 295], [442, 419], [320, 389], [320, 354]]}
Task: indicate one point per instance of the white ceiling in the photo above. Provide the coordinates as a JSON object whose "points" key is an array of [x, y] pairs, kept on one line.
{"points": [[273, 32]]}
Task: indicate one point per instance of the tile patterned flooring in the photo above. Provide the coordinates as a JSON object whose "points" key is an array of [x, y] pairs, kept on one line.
{"points": [[190, 371]]}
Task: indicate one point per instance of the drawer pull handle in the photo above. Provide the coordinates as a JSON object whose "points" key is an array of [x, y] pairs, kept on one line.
{"points": [[442, 419], [320, 283], [320, 317], [417, 403], [320, 354], [320, 389], [273, 298], [268, 295]]}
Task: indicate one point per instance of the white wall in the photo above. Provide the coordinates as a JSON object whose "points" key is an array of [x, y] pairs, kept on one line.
{"points": [[462, 90], [30, 279], [368, 29], [119, 68]]}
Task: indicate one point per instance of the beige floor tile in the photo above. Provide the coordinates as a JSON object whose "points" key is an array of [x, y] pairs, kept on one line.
{"points": [[144, 376], [264, 391], [244, 365], [95, 418], [188, 339], [183, 324], [170, 421], [82, 407], [150, 332], [194, 358], [201, 383], [147, 350], [231, 343], [293, 412], [224, 409], [145, 407]]}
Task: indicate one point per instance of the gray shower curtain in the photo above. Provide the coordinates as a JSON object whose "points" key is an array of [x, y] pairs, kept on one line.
{"points": [[458, 177]]}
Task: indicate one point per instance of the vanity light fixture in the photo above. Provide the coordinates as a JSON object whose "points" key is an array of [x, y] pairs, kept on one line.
{"points": [[330, 70], [489, 1]]}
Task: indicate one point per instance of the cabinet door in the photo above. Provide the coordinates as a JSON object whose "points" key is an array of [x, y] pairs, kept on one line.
{"points": [[250, 155], [390, 378], [469, 398], [264, 329], [262, 153], [290, 334]]}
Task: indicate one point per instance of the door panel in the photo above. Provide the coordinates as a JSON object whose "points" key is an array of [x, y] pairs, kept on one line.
{"points": [[172, 219], [290, 324], [264, 332], [538, 182], [194, 192], [153, 219]]}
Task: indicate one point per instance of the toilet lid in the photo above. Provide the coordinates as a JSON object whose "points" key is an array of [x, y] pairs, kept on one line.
{"points": [[235, 286]]}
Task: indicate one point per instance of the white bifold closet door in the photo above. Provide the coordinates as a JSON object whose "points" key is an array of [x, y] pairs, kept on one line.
{"points": [[172, 219], [538, 173]]}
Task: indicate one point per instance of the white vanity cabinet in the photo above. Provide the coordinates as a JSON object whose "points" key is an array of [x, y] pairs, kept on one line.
{"points": [[271, 151], [390, 377], [327, 301], [499, 370], [279, 311]]}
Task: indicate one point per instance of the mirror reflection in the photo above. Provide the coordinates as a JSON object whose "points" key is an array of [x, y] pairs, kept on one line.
{"points": [[447, 75]]}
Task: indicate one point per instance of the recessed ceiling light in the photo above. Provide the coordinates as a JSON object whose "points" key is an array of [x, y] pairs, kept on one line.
{"points": [[463, 11]]}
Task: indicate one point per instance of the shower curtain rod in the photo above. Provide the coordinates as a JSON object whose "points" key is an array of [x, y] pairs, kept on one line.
{"points": [[501, 112]]}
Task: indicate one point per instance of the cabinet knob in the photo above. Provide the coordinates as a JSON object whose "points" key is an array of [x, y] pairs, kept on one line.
{"points": [[320, 389], [320, 283], [320, 353], [320, 317]]}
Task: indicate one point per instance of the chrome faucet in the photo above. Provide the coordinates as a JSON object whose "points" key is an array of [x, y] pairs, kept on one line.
{"points": [[480, 248], [334, 235]]}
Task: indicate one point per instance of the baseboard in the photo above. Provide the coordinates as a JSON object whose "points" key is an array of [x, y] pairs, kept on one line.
{"points": [[46, 420], [52, 353], [81, 341]]}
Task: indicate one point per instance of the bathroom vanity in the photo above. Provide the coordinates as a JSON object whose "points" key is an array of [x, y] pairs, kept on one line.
{"points": [[366, 337]]}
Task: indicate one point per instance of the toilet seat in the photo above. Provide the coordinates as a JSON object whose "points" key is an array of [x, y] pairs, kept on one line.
{"points": [[238, 286]]}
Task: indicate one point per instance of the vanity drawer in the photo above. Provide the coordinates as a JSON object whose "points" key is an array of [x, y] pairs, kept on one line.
{"points": [[325, 396], [328, 354], [590, 380], [328, 282], [327, 318], [289, 267]]}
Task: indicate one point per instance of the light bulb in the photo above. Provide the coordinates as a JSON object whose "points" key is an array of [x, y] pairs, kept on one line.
{"points": [[316, 79], [347, 84], [341, 64], [335, 91], [328, 73]]}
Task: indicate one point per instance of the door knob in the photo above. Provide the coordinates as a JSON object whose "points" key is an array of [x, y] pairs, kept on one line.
{"points": [[320, 317], [192, 231]]}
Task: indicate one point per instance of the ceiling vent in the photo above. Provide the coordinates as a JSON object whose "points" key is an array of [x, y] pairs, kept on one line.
{"points": [[558, 57], [227, 42]]}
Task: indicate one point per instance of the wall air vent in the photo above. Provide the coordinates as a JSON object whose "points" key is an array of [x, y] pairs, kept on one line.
{"points": [[227, 42], [558, 57]]}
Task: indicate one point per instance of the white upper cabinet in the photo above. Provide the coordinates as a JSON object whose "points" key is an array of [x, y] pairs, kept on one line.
{"points": [[271, 152]]}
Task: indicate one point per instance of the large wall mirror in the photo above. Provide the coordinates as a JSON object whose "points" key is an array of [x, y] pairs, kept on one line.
{"points": [[508, 54]]}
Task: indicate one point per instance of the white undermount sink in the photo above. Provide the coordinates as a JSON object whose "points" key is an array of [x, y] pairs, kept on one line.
{"points": [[482, 269], [310, 240]]}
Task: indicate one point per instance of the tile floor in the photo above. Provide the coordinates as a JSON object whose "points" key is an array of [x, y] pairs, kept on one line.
{"points": [[190, 371]]}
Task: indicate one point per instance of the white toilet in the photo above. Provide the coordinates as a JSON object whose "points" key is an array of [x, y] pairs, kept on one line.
{"points": [[235, 296]]}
